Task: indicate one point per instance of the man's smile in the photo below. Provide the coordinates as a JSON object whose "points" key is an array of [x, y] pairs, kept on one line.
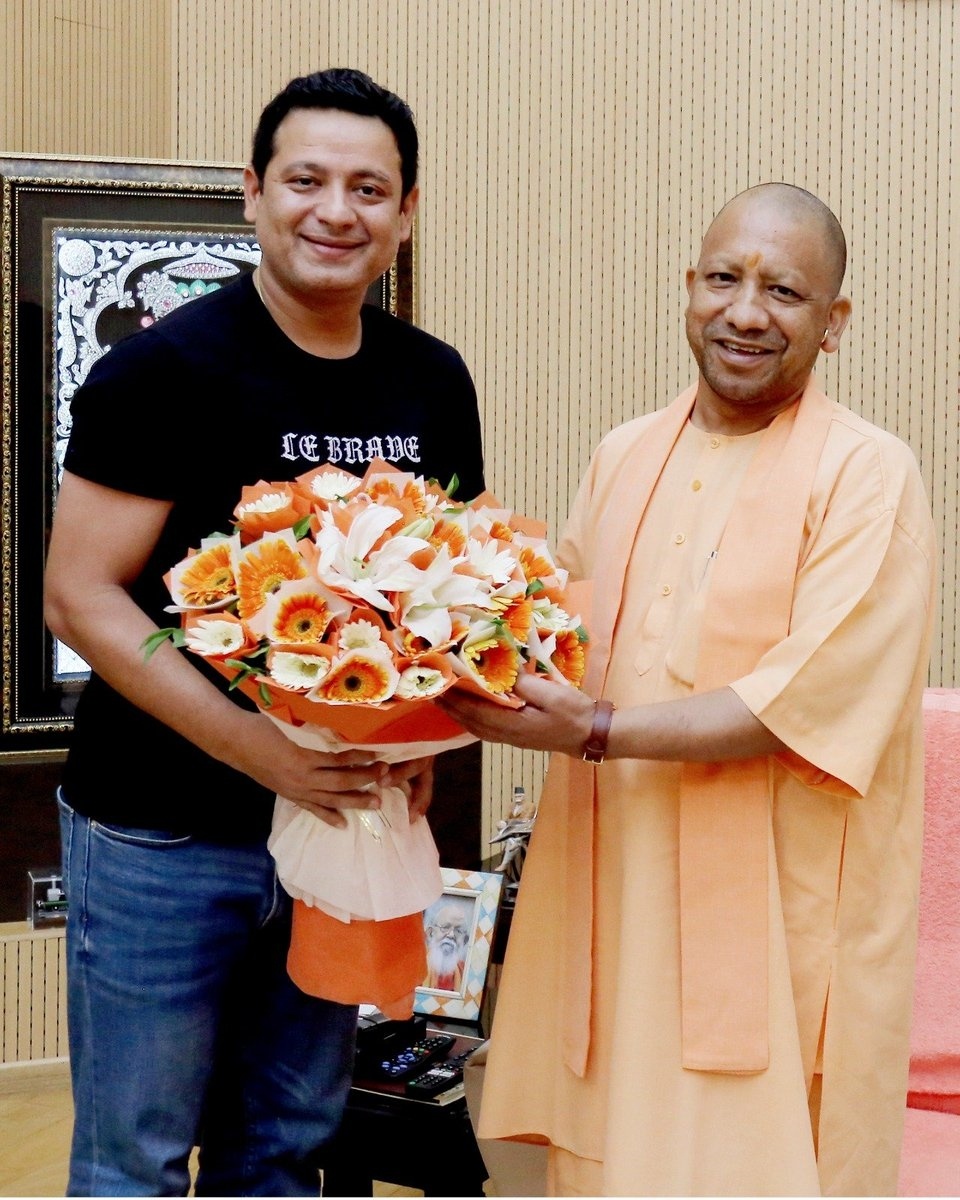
{"points": [[334, 247], [738, 351]]}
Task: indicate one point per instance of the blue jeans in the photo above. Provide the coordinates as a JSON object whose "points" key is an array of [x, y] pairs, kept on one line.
{"points": [[184, 1026]]}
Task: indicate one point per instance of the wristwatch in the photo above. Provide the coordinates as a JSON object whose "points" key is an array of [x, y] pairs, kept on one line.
{"points": [[596, 744]]}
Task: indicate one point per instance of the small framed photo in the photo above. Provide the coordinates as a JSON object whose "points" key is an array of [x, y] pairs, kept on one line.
{"points": [[459, 929]]}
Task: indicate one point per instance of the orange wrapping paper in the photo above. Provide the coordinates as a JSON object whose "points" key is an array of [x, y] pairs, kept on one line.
{"points": [[365, 962]]}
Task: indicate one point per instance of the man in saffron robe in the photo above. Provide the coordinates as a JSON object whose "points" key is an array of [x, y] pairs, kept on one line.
{"points": [[718, 921]]}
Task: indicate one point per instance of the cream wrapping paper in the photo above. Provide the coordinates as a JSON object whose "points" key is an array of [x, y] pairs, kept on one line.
{"points": [[372, 869]]}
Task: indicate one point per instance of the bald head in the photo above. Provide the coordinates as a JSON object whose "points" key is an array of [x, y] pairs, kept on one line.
{"points": [[805, 208], [764, 302]]}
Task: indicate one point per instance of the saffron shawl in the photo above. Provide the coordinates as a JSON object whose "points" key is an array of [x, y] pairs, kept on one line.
{"points": [[724, 806]]}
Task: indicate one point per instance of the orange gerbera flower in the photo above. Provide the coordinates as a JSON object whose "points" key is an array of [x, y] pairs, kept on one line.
{"points": [[209, 579], [261, 572], [534, 565], [570, 657], [496, 662], [359, 678], [409, 645], [445, 533], [386, 490], [518, 618], [301, 617], [500, 531]]}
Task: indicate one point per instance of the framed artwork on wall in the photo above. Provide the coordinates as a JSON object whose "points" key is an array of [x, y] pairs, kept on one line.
{"points": [[90, 252], [459, 929]]}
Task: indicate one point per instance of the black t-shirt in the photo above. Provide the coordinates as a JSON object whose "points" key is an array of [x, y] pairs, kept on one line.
{"points": [[213, 397]]}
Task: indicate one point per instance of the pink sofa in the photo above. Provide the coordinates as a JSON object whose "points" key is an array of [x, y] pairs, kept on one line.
{"points": [[930, 1164]]}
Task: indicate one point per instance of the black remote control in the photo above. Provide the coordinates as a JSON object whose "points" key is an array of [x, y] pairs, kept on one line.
{"points": [[441, 1077], [414, 1058]]}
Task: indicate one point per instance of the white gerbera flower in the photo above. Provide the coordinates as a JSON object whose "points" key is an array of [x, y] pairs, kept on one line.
{"points": [[268, 503], [212, 637], [360, 635], [418, 682], [334, 485], [297, 672], [549, 617]]}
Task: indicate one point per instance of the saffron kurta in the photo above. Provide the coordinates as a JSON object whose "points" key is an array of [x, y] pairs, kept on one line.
{"points": [[843, 692]]}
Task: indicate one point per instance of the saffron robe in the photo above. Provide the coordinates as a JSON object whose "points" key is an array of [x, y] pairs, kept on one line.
{"points": [[843, 692]]}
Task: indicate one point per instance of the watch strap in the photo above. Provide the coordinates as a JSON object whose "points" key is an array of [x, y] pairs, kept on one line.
{"points": [[596, 744]]}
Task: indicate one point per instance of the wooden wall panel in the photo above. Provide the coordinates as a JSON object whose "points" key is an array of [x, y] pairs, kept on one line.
{"points": [[86, 77], [33, 996], [573, 153]]}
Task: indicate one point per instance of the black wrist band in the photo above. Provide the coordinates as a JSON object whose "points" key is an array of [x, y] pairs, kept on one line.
{"points": [[596, 746]]}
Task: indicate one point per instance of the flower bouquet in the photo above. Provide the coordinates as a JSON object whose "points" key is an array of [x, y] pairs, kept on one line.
{"points": [[342, 606]]}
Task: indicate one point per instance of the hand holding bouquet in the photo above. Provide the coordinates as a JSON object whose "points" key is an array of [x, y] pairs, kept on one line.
{"points": [[343, 606]]}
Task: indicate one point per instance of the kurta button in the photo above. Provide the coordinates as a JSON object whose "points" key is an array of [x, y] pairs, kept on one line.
{"points": [[714, 442], [679, 538], [666, 590], [696, 485]]}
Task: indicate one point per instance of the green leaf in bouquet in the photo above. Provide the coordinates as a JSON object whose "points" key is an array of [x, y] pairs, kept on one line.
{"points": [[302, 527], [244, 667], [150, 644]]}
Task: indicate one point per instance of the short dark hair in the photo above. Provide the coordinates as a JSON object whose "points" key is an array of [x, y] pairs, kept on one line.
{"points": [[346, 90]]}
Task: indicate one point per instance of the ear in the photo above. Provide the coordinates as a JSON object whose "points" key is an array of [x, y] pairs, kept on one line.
{"points": [[408, 206], [837, 319], [690, 277], [251, 194]]}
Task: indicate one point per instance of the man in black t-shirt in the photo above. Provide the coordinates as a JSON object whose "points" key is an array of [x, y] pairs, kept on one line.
{"points": [[184, 1028]]}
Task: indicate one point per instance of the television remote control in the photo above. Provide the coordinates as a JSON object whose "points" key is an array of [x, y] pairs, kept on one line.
{"points": [[439, 1078], [412, 1060]]}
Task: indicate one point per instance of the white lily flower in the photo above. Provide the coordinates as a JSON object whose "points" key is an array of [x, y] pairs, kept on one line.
{"points": [[488, 559], [542, 650], [425, 609], [422, 527], [349, 564], [501, 598]]}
